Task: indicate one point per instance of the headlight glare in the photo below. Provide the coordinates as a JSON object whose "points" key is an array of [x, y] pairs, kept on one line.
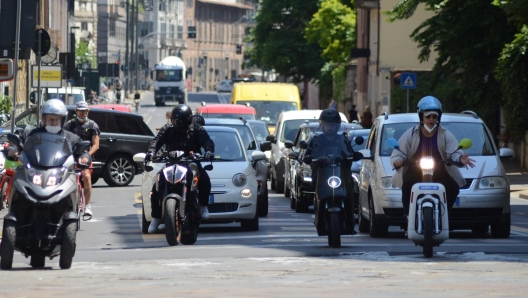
{"points": [[427, 163], [334, 182]]}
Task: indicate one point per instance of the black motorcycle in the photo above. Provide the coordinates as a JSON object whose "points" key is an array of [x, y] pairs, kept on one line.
{"points": [[333, 205], [180, 208], [42, 217]]}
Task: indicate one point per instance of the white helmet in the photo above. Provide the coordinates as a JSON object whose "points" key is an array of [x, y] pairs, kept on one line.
{"points": [[54, 107]]}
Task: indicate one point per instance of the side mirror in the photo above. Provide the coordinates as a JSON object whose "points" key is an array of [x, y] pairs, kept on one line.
{"points": [[303, 145], [139, 157], [366, 154], [258, 155], [208, 167], [359, 140], [265, 146], [33, 97], [15, 140], [506, 153], [288, 144], [271, 139], [82, 146], [293, 155]]}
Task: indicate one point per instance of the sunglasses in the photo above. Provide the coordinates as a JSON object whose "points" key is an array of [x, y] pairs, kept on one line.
{"points": [[434, 116]]}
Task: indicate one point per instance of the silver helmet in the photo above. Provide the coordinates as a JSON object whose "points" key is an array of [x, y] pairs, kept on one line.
{"points": [[54, 107]]}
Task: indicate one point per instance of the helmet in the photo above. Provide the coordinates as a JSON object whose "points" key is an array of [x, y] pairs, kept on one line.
{"points": [[329, 122], [429, 103], [181, 116], [54, 107], [198, 119]]}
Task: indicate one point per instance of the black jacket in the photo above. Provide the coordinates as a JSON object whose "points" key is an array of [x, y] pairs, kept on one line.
{"points": [[191, 139]]}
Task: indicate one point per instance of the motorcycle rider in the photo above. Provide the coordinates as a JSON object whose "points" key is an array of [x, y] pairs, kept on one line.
{"points": [[428, 138], [198, 119], [87, 130], [181, 135]]}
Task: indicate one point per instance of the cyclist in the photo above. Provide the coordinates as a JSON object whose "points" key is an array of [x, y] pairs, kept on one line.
{"points": [[87, 130]]}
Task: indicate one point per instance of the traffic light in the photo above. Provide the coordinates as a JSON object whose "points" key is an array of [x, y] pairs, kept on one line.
{"points": [[239, 49]]}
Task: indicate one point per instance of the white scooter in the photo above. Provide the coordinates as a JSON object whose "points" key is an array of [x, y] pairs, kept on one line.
{"points": [[428, 222]]}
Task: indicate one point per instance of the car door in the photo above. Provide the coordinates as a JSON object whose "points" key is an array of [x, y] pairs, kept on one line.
{"points": [[368, 166], [133, 136]]}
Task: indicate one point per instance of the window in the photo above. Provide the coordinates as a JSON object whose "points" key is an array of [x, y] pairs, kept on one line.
{"points": [[112, 29], [190, 3], [126, 124], [84, 26], [180, 32], [100, 119]]}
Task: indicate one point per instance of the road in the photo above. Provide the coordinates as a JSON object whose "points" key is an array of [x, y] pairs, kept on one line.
{"points": [[284, 258]]}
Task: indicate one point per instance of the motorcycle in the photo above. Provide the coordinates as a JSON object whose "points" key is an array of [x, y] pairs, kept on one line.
{"points": [[42, 217], [334, 206], [180, 208], [428, 222]]}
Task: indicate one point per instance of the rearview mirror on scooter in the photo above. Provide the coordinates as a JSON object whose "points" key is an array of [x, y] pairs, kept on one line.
{"points": [[465, 143], [14, 140], [208, 167], [303, 145], [359, 140]]}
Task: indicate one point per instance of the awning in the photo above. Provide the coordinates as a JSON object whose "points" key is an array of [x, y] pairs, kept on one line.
{"points": [[232, 4]]}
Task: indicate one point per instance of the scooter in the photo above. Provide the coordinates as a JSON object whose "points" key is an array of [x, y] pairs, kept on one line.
{"points": [[180, 208], [42, 217], [428, 222], [333, 205]]}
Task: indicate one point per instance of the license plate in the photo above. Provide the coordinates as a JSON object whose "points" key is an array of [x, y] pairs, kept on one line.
{"points": [[211, 199], [457, 202]]}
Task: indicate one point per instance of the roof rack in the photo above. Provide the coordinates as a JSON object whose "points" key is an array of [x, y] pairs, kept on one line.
{"points": [[468, 112], [385, 114]]}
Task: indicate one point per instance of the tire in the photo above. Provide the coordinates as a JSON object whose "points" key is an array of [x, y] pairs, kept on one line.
{"points": [[279, 185], [334, 235], [293, 201], [428, 225], [300, 207], [119, 170], [171, 232], [68, 244], [286, 189], [144, 223], [250, 224], [38, 261], [376, 228], [501, 228], [263, 204], [7, 248], [480, 229], [191, 237], [363, 223]]}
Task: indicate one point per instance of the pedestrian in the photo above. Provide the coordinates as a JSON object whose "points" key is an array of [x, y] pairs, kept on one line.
{"points": [[366, 119], [353, 114]]}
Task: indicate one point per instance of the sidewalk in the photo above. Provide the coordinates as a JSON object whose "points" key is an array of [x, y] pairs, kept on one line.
{"points": [[518, 178]]}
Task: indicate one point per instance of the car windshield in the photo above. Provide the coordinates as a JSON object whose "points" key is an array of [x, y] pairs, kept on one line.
{"points": [[62, 96], [246, 135], [269, 111], [290, 128], [476, 132], [260, 130], [227, 146], [28, 117], [229, 116], [47, 149]]}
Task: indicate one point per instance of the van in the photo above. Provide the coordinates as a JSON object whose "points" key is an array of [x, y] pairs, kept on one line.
{"points": [[69, 95], [269, 99]]}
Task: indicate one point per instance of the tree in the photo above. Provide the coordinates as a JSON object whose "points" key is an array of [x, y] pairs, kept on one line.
{"points": [[278, 39], [468, 36], [84, 53]]}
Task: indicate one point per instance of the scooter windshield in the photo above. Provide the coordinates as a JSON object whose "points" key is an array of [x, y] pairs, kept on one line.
{"points": [[333, 153], [47, 149]]}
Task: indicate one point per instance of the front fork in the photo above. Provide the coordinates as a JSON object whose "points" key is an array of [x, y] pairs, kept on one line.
{"points": [[428, 204]]}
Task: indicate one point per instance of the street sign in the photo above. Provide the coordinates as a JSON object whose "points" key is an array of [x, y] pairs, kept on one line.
{"points": [[6, 70], [50, 76], [45, 42], [408, 80]]}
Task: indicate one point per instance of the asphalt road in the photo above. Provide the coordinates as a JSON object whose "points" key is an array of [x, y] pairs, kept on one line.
{"points": [[285, 258]]}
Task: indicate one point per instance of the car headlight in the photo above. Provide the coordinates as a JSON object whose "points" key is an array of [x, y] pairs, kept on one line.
{"points": [[334, 182], [239, 180], [492, 182], [385, 183], [307, 179], [246, 192]]}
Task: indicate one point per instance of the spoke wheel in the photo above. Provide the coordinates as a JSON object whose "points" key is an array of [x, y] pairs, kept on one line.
{"points": [[119, 171]]}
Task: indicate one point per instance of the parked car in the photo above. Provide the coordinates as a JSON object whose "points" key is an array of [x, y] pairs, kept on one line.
{"points": [[70, 95], [234, 186], [122, 135], [286, 128], [483, 202], [226, 111], [224, 86], [251, 145]]}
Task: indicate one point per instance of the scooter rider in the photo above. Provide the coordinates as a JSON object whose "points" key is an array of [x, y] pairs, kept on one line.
{"points": [[429, 138], [181, 135]]}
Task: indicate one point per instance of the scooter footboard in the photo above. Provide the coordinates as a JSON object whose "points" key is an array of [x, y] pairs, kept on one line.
{"points": [[424, 196]]}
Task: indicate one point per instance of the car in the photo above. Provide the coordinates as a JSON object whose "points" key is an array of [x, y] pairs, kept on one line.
{"points": [[483, 202], [287, 126], [224, 86], [298, 175], [261, 131], [122, 135], [229, 111], [356, 165], [233, 183], [112, 106], [244, 79], [250, 143], [70, 95]]}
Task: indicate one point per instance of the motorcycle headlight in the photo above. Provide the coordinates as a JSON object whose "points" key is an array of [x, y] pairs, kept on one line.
{"points": [[427, 163], [492, 182], [55, 178], [239, 180], [334, 182], [36, 176]]}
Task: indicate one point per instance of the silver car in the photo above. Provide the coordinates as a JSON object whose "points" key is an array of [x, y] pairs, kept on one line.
{"points": [[483, 202]]}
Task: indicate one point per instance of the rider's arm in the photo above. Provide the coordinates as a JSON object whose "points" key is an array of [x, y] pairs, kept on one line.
{"points": [[159, 140], [95, 145], [204, 140]]}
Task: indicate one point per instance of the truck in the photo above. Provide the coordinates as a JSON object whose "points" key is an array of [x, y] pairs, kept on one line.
{"points": [[169, 81]]}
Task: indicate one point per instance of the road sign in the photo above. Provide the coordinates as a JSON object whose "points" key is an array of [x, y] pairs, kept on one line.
{"points": [[45, 42], [6, 70], [408, 80], [50, 76]]}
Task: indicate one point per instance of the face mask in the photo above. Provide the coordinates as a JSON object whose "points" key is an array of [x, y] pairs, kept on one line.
{"points": [[53, 129], [81, 119], [429, 130]]}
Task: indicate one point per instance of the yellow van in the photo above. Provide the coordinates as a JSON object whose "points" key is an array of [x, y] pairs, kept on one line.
{"points": [[269, 99]]}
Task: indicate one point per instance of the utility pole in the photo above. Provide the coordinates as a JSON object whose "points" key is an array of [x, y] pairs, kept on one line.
{"points": [[127, 34], [137, 46]]}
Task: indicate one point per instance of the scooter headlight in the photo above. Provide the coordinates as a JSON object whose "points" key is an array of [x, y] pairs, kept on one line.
{"points": [[37, 177], [427, 163], [334, 182], [55, 178]]}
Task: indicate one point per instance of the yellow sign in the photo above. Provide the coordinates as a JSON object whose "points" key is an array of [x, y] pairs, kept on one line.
{"points": [[50, 76]]}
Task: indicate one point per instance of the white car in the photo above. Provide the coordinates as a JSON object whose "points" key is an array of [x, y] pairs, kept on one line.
{"points": [[234, 186]]}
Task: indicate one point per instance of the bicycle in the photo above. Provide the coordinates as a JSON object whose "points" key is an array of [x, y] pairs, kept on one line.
{"points": [[80, 190]]}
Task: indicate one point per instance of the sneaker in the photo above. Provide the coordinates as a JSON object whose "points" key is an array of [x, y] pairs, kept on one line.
{"points": [[153, 228], [88, 211], [204, 212]]}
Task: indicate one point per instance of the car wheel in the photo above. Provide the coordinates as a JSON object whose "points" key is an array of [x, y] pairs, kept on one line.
{"points": [[363, 223], [279, 185], [292, 201], [377, 229], [119, 170], [272, 181], [501, 228], [262, 203], [250, 224], [286, 189]]}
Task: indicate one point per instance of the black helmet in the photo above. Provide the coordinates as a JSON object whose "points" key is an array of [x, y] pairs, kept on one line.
{"points": [[181, 116], [332, 119], [198, 119]]}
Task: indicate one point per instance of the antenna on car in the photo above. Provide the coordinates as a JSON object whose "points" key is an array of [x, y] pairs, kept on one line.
{"points": [[386, 115], [468, 112]]}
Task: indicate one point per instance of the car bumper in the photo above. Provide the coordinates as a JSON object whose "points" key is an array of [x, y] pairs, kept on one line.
{"points": [[228, 204]]}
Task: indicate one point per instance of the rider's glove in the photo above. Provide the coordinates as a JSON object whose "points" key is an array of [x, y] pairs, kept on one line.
{"points": [[149, 157], [209, 155], [307, 159], [323, 160], [357, 156]]}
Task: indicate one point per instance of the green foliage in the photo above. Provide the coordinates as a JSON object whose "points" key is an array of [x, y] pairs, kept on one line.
{"points": [[83, 53], [5, 104], [333, 28]]}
